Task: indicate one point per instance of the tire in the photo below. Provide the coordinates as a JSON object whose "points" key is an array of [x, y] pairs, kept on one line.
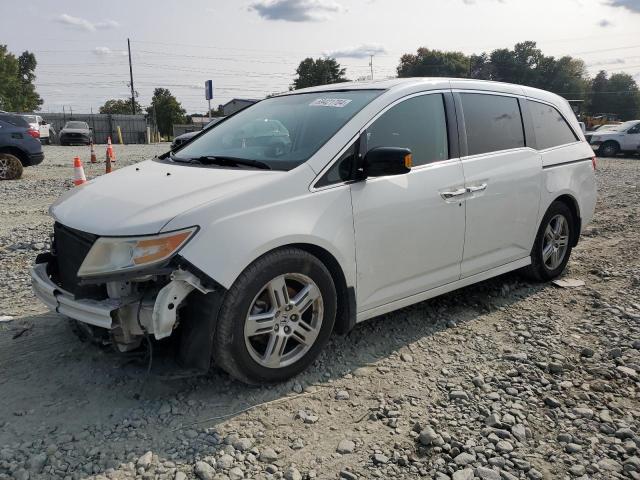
{"points": [[609, 149], [10, 167], [240, 346], [546, 266]]}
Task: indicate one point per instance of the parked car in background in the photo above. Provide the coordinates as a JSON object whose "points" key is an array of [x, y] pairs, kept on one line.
{"points": [[608, 126], [185, 137], [623, 138], [75, 133], [37, 123], [310, 211], [19, 146]]}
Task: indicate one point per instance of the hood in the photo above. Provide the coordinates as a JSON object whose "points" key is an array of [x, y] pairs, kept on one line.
{"points": [[142, 198], [75, 130]]}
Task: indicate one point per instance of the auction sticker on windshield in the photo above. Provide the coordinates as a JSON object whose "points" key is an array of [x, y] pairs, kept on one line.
{"points": [[330, 102]]}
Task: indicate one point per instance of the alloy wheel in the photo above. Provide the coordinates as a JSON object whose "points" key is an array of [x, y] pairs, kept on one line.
{"points": [[284, 320], [9, 170], [555, 242]]}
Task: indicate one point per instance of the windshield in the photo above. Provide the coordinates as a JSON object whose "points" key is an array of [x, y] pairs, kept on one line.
{"points": [[282, 132], [76, 125]]}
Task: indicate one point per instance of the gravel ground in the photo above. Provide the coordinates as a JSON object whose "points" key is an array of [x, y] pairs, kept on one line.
{"points": [[499, 381]]}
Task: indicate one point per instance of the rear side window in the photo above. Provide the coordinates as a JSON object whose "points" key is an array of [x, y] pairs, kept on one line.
{"points": [[550, 126], [14, 120], [418, 124], [493, 123]]}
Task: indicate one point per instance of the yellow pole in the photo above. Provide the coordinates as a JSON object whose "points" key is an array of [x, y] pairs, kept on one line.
{"points": [[120, 135]]}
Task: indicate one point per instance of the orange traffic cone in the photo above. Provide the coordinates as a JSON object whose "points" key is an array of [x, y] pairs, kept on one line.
{"points": [[93, 154], [78, 172], [110, 153]]}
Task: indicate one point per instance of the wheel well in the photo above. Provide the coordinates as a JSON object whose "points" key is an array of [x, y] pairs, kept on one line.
{"points": [[571, 203], [346, 313], [17, 152]]}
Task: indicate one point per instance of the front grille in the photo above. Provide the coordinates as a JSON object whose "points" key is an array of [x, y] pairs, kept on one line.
{"points": [[70, 247], [588, 137]]}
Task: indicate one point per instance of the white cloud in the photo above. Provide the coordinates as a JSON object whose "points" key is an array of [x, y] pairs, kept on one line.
{"points": [[107, 52], [632, 5], [296, 10], [84, 24], [360, 51]]}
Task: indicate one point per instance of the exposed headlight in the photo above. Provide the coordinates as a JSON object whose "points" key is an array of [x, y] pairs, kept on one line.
{"points": [[123, 254]]}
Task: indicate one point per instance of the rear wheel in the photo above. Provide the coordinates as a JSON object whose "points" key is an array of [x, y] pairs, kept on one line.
{"points": [[276, 318], [609, 149], [553, 245], [10, 167]]}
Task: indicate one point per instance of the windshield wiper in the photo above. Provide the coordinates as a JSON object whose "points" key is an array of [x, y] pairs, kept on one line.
{"points": [[230, 161]]}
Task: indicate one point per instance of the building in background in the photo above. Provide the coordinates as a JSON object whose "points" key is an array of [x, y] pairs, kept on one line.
{"points": [[237, 104]]}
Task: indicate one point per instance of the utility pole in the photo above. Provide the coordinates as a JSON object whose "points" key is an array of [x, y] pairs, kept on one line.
{"points": [[371, 65], [133, 98]]}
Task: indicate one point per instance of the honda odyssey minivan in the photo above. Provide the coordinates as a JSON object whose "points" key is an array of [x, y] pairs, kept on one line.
{"points": [[311, 211]]}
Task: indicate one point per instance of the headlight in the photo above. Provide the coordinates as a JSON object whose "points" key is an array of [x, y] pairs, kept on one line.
{"points": [[123, 254], [595, 139]]}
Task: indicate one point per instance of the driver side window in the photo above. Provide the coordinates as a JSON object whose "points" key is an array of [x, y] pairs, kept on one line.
{"points": [[418, 124], [635, 129]]}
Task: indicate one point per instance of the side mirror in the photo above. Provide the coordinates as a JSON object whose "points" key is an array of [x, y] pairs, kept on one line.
{"points": [[383, 161]]}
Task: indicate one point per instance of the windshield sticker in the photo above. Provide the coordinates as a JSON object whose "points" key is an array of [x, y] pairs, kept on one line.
{"points": [[330, 102]]}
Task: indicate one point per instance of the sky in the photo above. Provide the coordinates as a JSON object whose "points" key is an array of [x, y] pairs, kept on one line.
{"points": [[251, 48]]}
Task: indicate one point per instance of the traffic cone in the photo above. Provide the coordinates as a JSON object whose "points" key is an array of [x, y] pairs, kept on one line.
{"points": [[78, 172], [110, 152], [93, 154]]}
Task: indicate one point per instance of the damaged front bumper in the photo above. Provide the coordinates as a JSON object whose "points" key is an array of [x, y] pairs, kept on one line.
{"points": [[94, 312], [127, 312]]}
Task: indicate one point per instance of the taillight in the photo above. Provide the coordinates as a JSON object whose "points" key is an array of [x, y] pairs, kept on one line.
{"points": [[34, 133], [593, 162]]}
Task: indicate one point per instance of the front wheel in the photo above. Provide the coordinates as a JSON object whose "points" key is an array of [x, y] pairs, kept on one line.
{"points": [[276, 318], [553, 244], [609, 149]]}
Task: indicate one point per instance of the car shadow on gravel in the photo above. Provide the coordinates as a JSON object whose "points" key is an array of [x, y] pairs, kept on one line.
{"points": [[46, 372]]}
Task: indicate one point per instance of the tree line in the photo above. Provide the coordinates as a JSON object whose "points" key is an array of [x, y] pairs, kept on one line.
{"points": [[525, 64]]}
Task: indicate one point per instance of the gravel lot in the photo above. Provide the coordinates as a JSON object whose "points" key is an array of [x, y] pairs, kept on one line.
{"points": [[502, 380]]}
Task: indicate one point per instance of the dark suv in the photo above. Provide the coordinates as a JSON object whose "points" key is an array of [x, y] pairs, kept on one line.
{"points": [[19, 146]]}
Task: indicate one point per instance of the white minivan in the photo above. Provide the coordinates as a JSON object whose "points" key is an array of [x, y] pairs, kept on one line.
{"points": [[311, 211]]}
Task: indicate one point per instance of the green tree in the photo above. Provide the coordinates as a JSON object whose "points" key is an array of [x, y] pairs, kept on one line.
{"points": [[597, 100], [115, 106], [17, 91], [321, 71], [434, 63], [623, 96], [167, 110]]}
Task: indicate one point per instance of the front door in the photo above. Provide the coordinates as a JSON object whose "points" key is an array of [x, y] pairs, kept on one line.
{"points": [[409, 229]]}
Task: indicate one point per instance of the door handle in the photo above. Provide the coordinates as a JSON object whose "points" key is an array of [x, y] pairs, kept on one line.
{"points": [[477, 188], [452, 194]]}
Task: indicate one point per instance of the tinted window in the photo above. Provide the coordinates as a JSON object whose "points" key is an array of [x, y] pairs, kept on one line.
{"points": [[635, 129], [340, 171], [14, 120], [551, 128], [418, 124], [492, 122]]}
